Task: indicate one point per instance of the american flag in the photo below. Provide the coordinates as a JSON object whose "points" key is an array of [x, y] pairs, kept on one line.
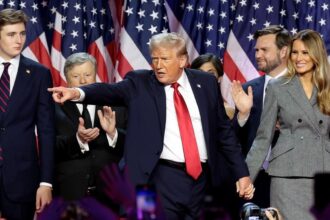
{"points": [[251, 15], [82, 26], [57, 29], [117, 32]]}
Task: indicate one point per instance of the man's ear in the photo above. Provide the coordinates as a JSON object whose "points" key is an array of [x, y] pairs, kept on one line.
{"points": [[284, 52], [183, 61]]}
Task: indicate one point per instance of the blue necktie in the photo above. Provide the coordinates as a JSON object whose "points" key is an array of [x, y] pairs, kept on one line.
{"points": [[4, 88]]}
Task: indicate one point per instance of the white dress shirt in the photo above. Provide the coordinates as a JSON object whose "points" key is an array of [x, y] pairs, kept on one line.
{"points": [[173, 149]]}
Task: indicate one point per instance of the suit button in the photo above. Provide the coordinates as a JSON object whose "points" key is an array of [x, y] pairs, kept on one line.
{"points": [[302, 137], [320, 122], [299, 120]]}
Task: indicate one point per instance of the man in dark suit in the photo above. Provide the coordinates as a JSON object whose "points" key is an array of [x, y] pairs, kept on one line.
{"points": [[83, 148], [156, 149], [26, 170], [271, 55]]}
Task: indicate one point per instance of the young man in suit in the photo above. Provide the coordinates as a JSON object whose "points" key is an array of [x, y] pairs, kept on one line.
{"points": [[159, 149], [26, 170], [83, 148], [271, 55]]}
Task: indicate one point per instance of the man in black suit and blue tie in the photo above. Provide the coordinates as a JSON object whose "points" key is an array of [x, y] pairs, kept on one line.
{"points": [[26, 171], [160, 101], [83, 148]]}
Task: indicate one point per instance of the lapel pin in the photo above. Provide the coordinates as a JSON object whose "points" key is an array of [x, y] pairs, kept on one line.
{"points": [[199, 86], [28, 71]]}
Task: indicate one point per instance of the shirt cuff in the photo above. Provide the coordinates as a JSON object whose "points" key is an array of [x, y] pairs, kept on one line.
{"points": [[46, 184], [82, 95], [83, 146], [243, 121], [113, 142]]}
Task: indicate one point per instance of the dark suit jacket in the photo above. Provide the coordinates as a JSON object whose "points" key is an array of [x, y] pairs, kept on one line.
{"points": [[145, 97], [30, 106], [247, 133], [75, 170]]}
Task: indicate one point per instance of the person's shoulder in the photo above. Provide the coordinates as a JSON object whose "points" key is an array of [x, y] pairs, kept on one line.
{"points": [[139, 73], [254, 81], [278, 85], [32, 64], [197, 72], [200, 74], [280, 81]]}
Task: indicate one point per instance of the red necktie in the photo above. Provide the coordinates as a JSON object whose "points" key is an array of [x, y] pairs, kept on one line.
{"points": [[190, 149], [4, 88]]}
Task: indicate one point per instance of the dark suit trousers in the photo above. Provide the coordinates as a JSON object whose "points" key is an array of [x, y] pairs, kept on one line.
{"points": [[181, 196], [14, 210]]}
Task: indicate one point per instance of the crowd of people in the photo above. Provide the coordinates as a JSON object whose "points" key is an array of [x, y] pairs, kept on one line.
{"points": [[162, 143]]}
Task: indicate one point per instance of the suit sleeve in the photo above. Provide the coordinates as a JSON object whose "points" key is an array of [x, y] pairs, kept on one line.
{"points": [[265, 132], [67, 147], [45, 127], [230, 147]]}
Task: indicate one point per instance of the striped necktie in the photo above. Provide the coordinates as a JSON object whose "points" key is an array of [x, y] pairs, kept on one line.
{"points": [[4, 88]]}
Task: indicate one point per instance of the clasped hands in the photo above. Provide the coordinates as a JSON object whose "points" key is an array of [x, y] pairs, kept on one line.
{"points": [[108, 123], [245, 188]]}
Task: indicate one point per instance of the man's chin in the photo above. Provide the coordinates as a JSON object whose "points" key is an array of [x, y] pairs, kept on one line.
{"points": [[162, 80]]}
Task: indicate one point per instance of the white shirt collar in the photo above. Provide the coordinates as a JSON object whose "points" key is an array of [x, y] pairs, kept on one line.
{"points": [[183, 81], [14, 61]]}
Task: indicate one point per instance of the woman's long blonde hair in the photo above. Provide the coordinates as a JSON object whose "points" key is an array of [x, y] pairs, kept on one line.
{"points": [[321, 75]]}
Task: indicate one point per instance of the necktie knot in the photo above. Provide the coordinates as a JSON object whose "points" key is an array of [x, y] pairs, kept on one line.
{"points": [[6, 65], [175, 85]]}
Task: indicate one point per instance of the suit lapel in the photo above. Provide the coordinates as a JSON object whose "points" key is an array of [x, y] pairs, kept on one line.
{"points": [[298, 95], [23, 79], [258, 91], [158, 93], [71, 111]]}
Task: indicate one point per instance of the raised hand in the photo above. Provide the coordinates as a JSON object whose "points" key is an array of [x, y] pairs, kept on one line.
{"points": [[62, 94], [108, 120], [243, 101]]}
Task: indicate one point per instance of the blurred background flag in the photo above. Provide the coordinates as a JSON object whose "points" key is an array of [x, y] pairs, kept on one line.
{"points": [[82, 26], [141, 20], [36, 43]]}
